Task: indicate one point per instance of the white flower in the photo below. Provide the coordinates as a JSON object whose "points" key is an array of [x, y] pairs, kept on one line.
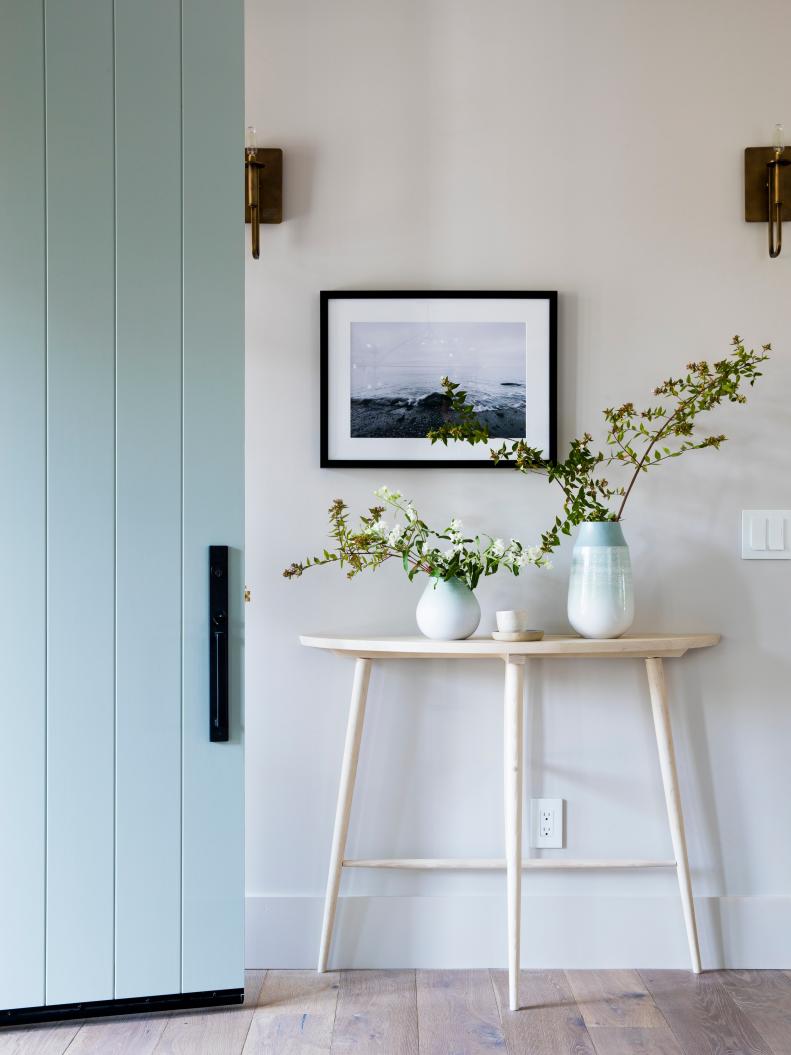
{"points": [[410, 512], [498, 547], [386, 494], [379, 527], [532, 555], [395, 535]]}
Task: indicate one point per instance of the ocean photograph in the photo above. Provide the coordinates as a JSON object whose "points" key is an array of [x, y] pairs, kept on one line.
{"points": [[396, 369]]}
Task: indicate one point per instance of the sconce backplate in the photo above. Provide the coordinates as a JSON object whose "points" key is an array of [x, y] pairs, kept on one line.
{"points": [[756, 199], [270, 185]]}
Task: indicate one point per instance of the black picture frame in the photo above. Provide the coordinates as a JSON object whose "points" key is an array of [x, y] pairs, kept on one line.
{"points": [[327, 296]]}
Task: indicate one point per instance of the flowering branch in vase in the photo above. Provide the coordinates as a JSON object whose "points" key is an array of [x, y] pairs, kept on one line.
{"points": [[444, 555], [637, 440]]}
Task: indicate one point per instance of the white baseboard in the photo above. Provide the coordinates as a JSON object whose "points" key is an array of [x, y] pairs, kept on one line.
{"points": [[558, 931]]}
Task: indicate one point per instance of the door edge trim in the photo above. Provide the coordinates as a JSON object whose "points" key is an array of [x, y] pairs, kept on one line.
{"points": [[22, 1016]]}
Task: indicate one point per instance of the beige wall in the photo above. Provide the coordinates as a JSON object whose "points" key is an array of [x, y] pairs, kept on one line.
{"points": [[596, 149]]}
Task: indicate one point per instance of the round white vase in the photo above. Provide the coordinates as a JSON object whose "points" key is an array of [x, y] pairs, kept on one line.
{"points": [[601, 595], [447, 611]]}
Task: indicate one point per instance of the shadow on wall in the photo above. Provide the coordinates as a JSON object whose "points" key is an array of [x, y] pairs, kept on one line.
{"points": [[706, 719], [299, 167]]}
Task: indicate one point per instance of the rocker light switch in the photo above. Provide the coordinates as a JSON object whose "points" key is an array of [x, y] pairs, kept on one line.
{"points": [[766, 534]]}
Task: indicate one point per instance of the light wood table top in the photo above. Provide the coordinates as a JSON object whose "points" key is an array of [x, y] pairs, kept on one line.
{"points": [[643, 646]]}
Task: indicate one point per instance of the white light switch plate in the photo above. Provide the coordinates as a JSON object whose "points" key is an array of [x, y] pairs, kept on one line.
{"points": [[547, 823], [766, 534]]}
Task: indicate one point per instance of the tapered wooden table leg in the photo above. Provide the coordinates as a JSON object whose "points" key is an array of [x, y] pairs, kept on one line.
{"points": [[667, 763], [514, 706], [351, 753]]}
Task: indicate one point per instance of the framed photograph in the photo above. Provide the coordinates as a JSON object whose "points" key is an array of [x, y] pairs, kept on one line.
{"points": [[383, 355]]}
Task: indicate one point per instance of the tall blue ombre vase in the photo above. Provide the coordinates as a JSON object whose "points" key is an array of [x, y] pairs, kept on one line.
{"points": [[601, 594]]}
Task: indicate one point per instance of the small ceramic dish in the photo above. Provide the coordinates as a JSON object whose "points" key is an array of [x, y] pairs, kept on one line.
{"points": [[517, 635]]}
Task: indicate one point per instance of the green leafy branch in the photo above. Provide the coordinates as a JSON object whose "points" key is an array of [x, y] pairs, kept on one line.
{"points": [[443, 554], [637, 439]]}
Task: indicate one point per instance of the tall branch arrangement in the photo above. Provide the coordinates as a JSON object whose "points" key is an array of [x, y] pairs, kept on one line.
{"points": [[440, 554], [637, 440]]}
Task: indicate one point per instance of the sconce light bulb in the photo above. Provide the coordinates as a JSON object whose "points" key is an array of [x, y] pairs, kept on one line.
{"points": [[779, 139], [249, 139]]}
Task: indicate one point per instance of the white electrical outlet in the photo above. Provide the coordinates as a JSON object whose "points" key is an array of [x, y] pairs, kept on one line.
{"points": [[547, 823]]}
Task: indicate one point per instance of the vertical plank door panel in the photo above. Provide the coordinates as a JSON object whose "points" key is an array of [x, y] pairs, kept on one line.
{"points": [[213, 394], [23, 485], [148, 497], [80, 499]]}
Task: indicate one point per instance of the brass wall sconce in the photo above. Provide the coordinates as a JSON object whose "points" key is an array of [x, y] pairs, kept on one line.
{"points": [[263, 187], [767, 197]]}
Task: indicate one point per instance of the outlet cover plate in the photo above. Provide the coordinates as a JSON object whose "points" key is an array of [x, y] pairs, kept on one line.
{"points": [[547, 824], [766, 534]]}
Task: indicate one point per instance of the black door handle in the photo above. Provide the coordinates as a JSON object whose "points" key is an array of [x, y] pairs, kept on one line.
{"points": [[218, 643]]}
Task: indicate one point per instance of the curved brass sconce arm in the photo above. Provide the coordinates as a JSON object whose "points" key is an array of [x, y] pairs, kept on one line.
{"points": [[251, 166], [263, 187], [764, 184], [775, 205]]}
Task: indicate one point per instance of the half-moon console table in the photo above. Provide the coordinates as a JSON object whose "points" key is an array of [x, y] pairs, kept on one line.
{"points": [[652, 648]]}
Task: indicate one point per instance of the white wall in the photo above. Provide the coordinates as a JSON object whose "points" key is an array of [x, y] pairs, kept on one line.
{"points": [[595, 149]]}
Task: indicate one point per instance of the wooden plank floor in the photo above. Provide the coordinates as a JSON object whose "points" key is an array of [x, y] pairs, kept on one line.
{"points": [[454, 1013]]}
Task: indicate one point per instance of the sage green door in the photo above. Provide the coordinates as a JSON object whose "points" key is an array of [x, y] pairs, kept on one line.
{"points": [[121, 462]]}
